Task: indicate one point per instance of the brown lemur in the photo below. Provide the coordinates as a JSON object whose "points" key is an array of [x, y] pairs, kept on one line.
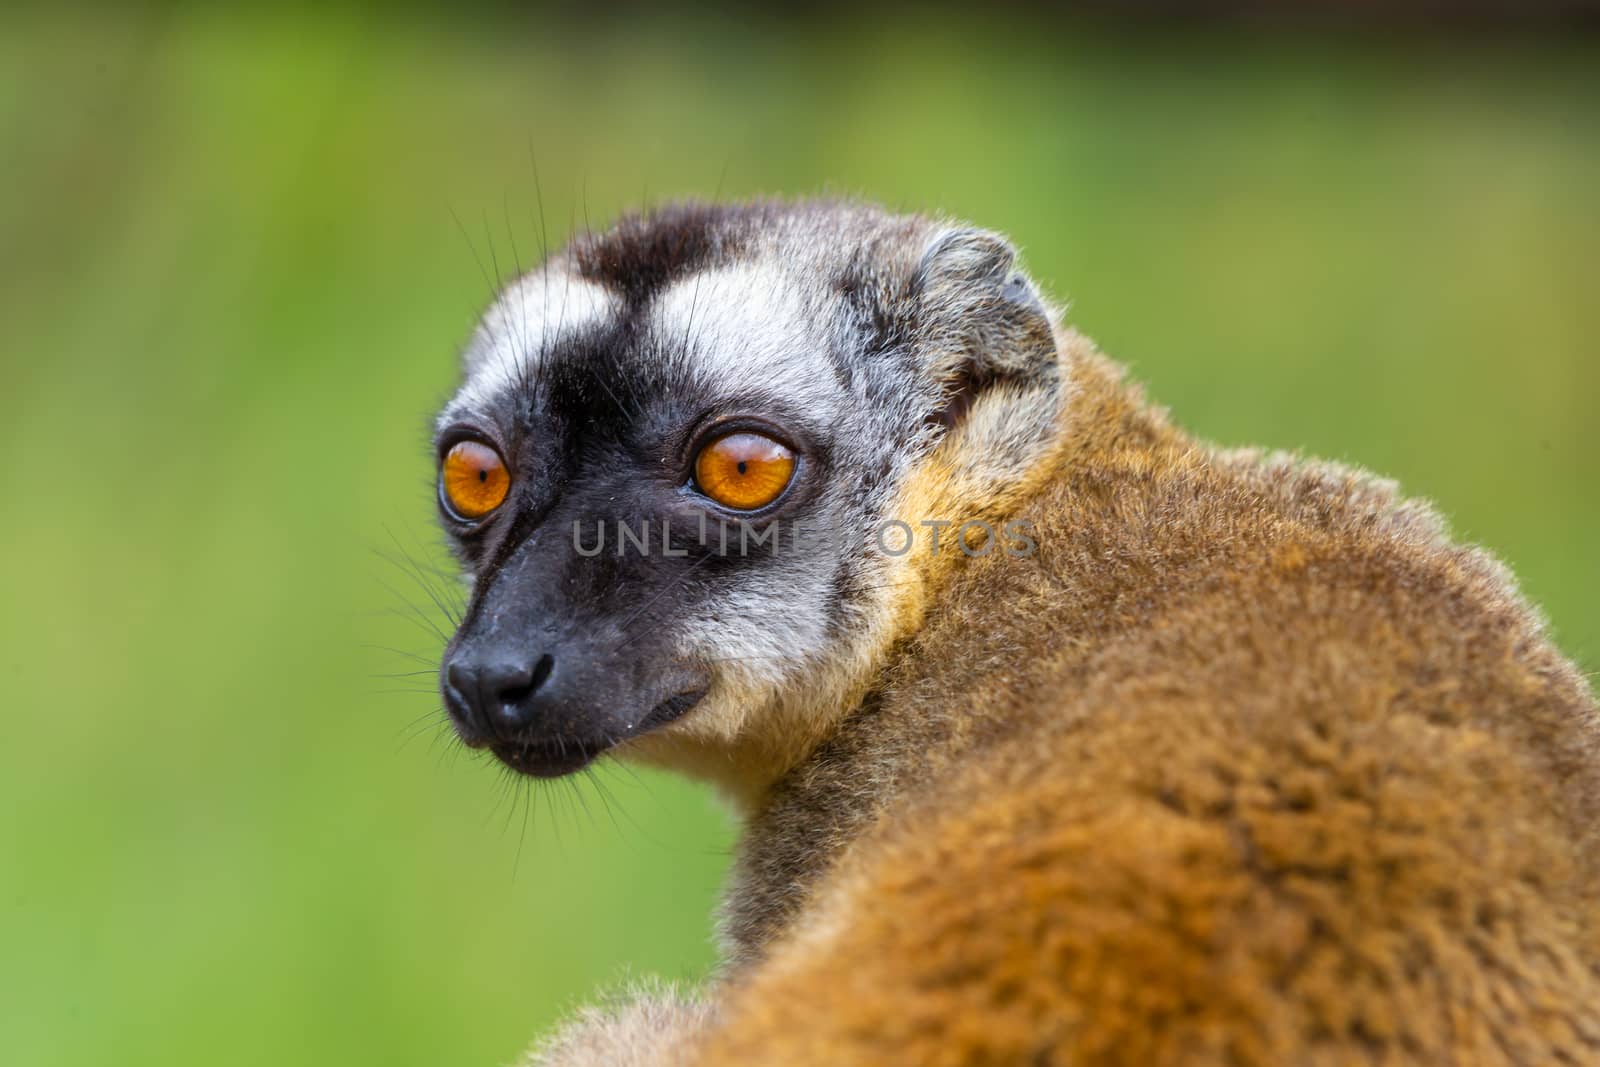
{"points": [[1156, 753]]}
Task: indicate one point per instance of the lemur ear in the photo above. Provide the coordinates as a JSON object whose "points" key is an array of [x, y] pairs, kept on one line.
{"points": [[982, 320]]}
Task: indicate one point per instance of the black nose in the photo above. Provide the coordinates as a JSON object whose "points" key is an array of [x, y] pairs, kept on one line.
{"points": [[494, 696]]}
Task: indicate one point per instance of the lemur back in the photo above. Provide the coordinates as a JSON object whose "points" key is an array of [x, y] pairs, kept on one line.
{"points": [[1254, 767]]}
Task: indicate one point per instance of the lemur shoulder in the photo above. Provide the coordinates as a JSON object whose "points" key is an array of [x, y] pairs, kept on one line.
{"points": [[1242, 762]]}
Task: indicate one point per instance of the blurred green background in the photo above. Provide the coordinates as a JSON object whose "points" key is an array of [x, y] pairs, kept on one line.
{"points": [[231, 290]]}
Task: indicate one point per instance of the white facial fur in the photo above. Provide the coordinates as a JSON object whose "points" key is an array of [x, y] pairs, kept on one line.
{"points": [[529, 318], [749, 330]]}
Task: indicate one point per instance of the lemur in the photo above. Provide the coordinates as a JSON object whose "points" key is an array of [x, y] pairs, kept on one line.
{"points": [[1162, 753]]}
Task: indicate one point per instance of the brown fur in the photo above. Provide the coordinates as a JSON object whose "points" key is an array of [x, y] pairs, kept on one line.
{"points": [[1249, 765]]}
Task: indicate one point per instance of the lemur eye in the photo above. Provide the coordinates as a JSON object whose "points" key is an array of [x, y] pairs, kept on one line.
{"points": [[474, 479], [743, 470]]}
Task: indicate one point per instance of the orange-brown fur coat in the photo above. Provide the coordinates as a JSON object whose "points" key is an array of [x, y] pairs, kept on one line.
{"points": [[1248, 765]]}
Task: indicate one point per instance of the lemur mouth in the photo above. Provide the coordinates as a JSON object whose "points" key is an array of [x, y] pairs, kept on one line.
{"points": [[548, 759], [668, 710], [555, 757]]}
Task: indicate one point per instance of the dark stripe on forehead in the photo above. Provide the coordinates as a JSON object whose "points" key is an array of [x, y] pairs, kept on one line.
{"points": [[643, 254]]}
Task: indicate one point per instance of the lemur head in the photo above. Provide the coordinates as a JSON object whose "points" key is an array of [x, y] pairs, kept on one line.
{"points": [[696, 467]]}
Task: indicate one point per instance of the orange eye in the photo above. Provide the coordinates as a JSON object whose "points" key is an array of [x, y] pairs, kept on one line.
{"points": [[743, 470], [474, 478]]}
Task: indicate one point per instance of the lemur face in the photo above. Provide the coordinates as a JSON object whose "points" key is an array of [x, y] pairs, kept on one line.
{"points": [[672, 452]]}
